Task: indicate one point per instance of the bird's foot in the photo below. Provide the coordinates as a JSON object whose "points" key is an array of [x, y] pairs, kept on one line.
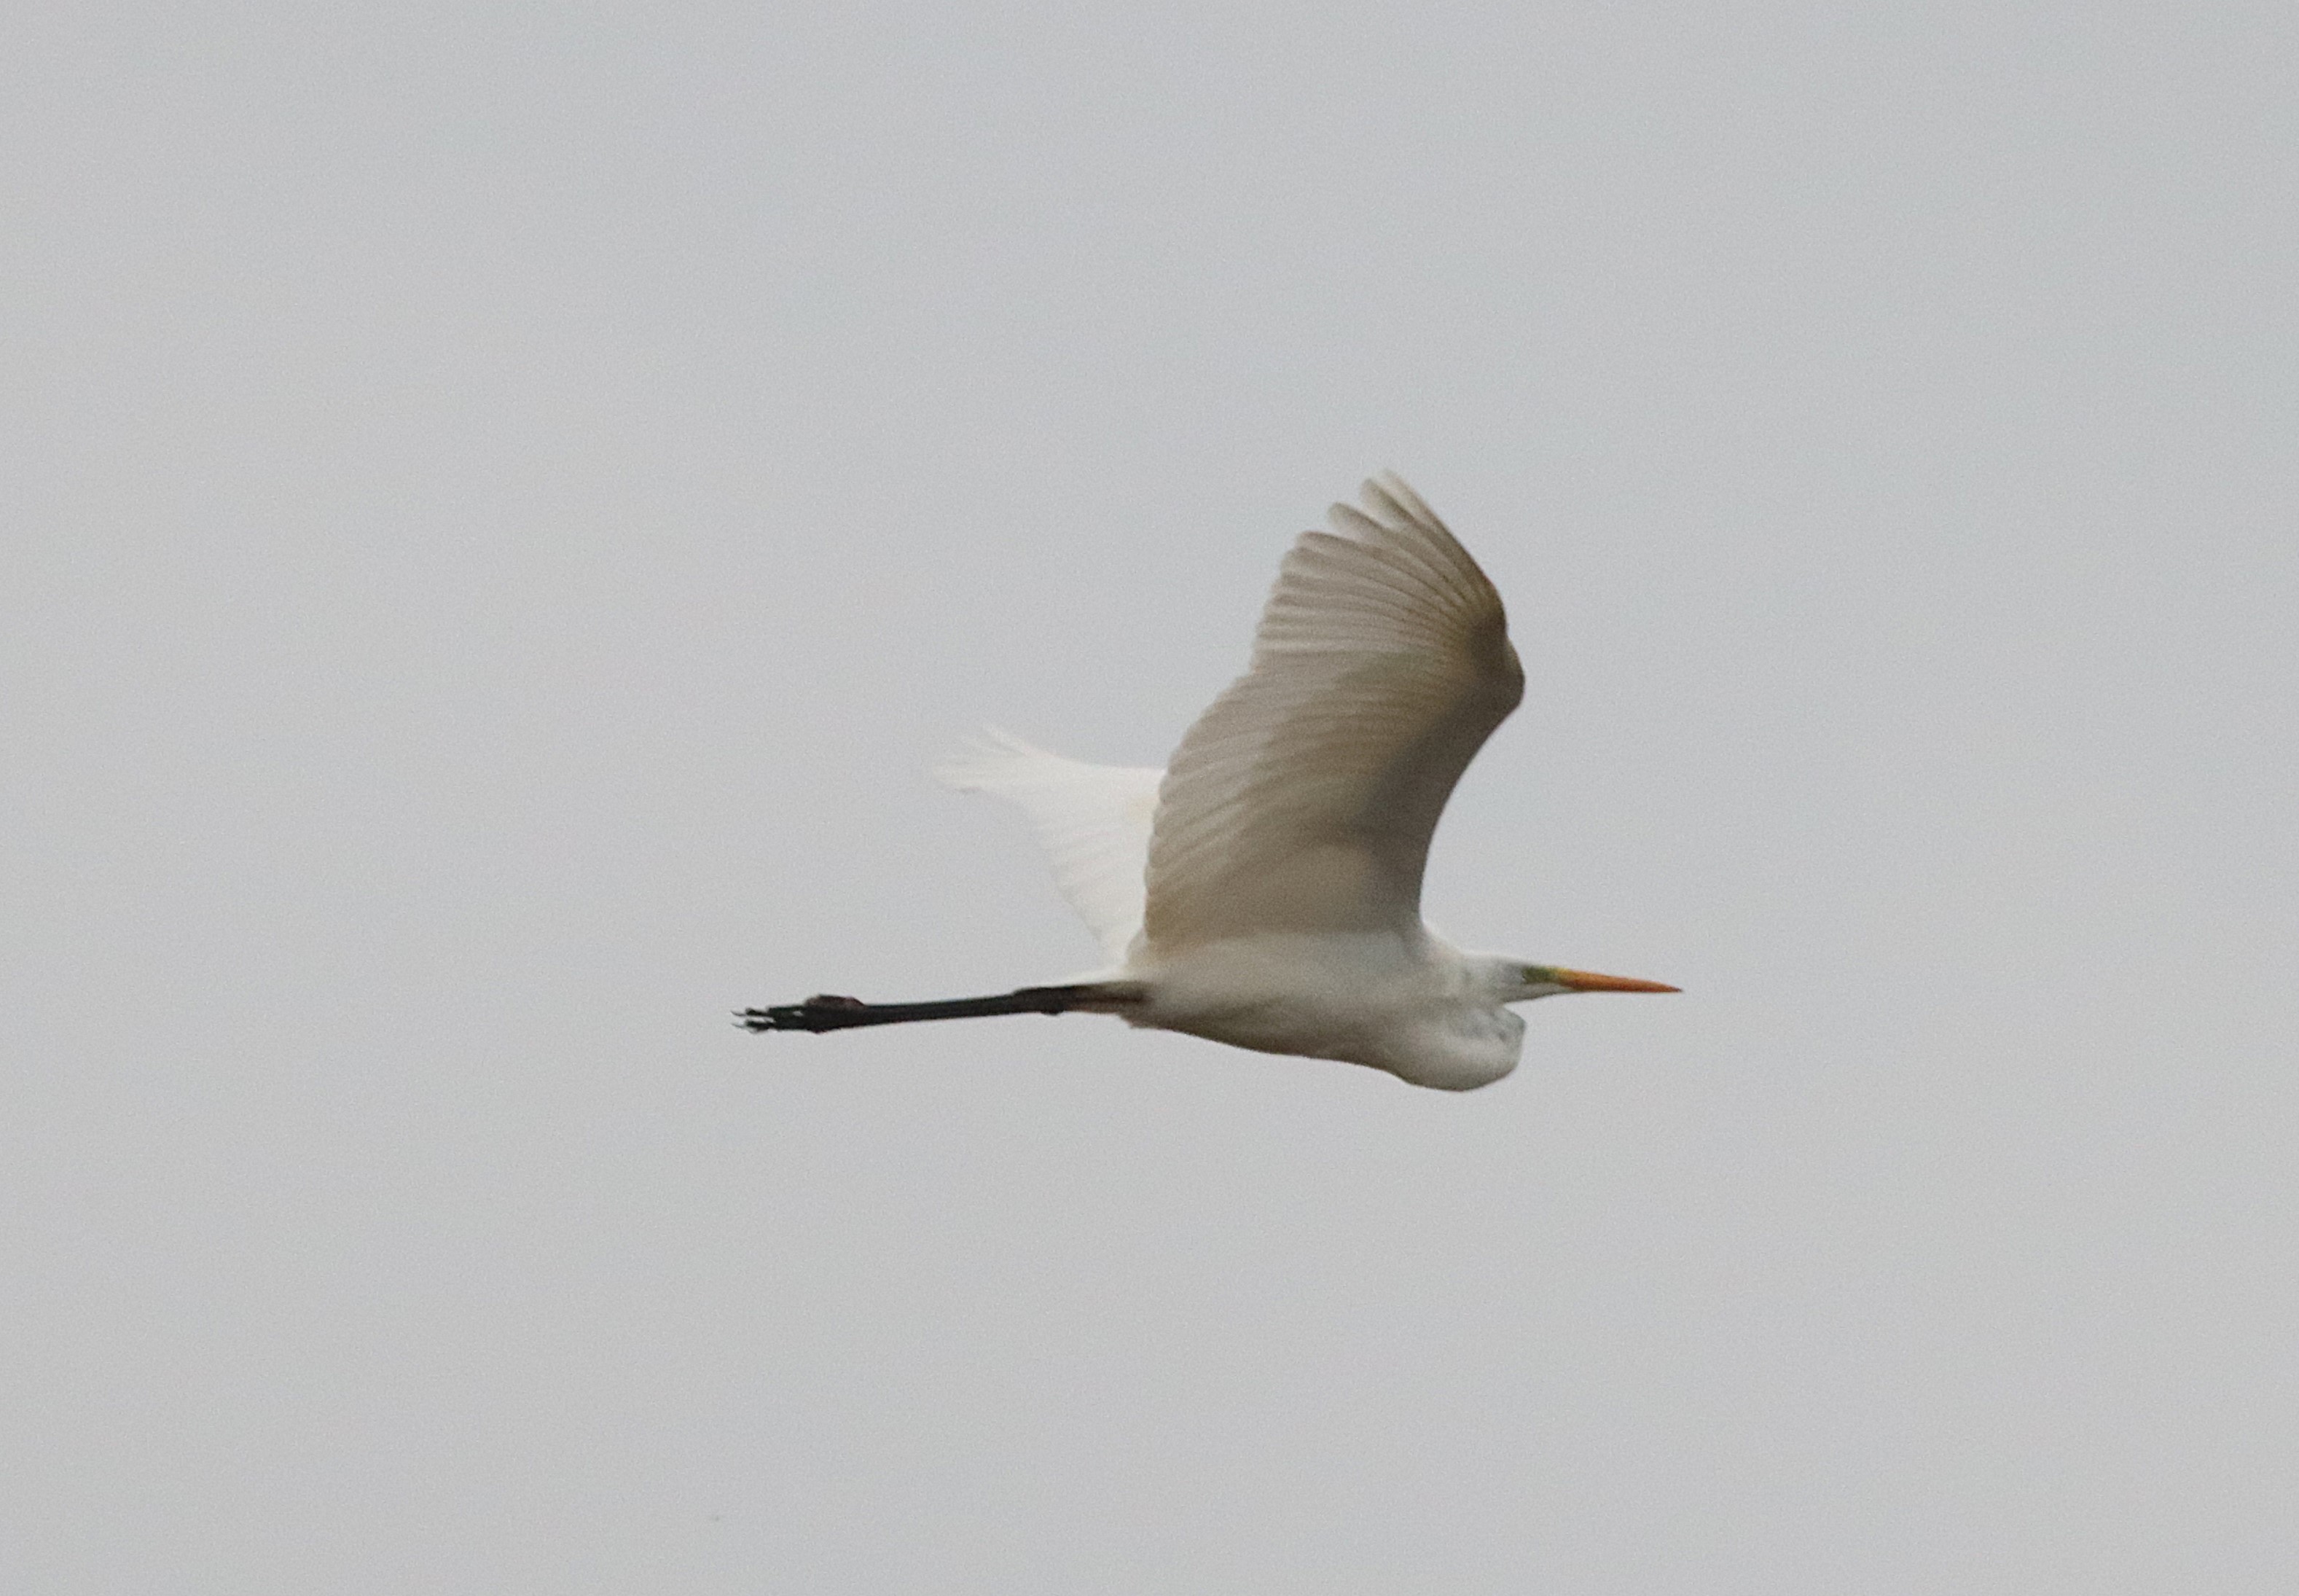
{"points": [[824, 1011]]}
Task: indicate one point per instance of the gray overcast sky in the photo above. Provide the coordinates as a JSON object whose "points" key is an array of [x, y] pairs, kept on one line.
{"points": [[503, 503]]}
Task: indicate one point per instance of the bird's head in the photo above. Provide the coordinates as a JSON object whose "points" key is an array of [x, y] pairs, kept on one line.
{"points": [[1520, 982]]}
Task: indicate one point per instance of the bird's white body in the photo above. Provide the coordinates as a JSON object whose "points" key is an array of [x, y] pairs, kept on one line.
{"points": [[1413, 1006], [1264, 890]]}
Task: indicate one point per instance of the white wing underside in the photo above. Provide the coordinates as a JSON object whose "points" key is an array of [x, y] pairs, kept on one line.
{"points": [[1093, 821], [1304, 798]]}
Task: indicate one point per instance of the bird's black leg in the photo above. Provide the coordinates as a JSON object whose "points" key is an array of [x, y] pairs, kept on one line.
{"points": [[825, 1011]]}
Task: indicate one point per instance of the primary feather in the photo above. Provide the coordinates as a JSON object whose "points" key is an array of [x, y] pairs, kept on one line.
{"points": [[1304, 798]]}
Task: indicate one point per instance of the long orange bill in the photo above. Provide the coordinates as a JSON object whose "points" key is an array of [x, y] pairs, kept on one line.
{"points": [[1581, 980]]}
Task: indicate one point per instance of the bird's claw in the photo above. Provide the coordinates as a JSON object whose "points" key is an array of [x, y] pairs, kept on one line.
{"points": [[808, 1016]]}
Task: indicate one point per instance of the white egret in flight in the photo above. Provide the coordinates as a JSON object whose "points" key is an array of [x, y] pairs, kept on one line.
{"points": [[1265, 889]]}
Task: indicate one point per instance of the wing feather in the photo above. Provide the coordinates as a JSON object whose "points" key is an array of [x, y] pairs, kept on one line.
{"points": [[1093, 821], [1305, 797]]}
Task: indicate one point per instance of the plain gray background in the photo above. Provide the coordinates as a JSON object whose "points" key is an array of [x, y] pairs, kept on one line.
{"points": [[502, 502]]}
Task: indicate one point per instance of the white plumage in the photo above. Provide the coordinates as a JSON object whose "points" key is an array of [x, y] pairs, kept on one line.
{"points": [[1093, 820], [1265, 890]]}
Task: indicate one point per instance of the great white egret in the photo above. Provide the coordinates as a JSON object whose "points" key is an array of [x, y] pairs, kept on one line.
{"points": [[1264, 890]]}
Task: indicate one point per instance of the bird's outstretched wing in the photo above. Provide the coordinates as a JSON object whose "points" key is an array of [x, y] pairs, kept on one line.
{"points": [[1304, 798], [1093, 820]]}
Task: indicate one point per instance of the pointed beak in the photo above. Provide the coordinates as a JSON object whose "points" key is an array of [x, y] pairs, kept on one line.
{"points": [[1581, 980]]}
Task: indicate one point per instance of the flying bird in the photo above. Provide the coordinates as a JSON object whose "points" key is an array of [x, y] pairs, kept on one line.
{"points": [[1264, 890]]}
